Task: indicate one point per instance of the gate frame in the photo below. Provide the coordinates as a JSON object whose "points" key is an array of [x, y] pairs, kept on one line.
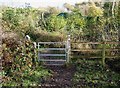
{"points": [[66, 49]]}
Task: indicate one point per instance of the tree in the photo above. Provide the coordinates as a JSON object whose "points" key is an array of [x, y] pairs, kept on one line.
{"points": [[113, 6], [53, 10], [94, 11], [55, 23], [10, 18], [68, 7], [75, 21], [20, 19]]}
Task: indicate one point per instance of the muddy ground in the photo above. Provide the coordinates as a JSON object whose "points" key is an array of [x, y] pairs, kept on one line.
{"points": [[62, 77]]}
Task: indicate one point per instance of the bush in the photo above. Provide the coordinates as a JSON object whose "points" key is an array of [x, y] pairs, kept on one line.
{"points": [[44, 36], [56, 23], [20, 63]]}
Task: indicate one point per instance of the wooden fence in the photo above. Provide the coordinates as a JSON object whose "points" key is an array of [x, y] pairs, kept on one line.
{"points": [[95, 50], [107, 50], [101, 50]]}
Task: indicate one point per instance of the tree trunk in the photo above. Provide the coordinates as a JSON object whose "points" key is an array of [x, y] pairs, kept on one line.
{"points": [[113, 6]]}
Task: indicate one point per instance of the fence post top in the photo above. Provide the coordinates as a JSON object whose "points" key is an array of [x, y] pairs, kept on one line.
{"points": [[27, 37], [34, 42], [69, 35]]}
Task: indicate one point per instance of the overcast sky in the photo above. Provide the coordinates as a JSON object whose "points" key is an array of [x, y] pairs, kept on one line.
{"points": [[39, 3]]}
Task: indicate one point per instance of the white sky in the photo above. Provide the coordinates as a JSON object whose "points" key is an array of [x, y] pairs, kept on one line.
{"points": [[42, 3], [39, 3]]}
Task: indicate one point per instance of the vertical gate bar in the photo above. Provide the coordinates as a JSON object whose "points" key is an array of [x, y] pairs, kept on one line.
{"points": [[38, 53], [35, 52], [68, 49], [65, 50]]}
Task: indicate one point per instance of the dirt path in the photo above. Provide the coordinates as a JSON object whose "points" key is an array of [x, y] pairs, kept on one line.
{"points": [[62, 77]]}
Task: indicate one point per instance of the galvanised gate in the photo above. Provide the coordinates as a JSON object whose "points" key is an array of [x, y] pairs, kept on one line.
{"points": [[53, 53]]}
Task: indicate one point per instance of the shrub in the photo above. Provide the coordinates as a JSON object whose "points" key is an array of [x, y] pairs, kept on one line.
{"points": [[56, 23], [44, 36], [20, 63]]}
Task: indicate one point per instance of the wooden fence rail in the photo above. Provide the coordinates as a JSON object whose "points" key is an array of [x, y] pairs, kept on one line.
{"points": [[102, 51]]}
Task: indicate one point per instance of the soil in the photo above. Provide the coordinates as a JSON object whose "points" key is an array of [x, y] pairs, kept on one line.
{"points": [[62, 77]]}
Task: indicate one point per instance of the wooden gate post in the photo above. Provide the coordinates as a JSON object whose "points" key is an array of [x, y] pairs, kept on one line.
{"points": [[38, 52], [68, 49], [35, 46], [103, 53], [35, 54]]}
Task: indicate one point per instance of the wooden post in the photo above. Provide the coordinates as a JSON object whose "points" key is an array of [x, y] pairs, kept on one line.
{"points": [[68, 49], [34, 58], [35, 45], [119, 37], [38, 53], [103, 53]]}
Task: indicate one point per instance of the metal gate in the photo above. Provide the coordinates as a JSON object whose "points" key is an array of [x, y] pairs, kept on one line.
{"points": [[54, 53]]}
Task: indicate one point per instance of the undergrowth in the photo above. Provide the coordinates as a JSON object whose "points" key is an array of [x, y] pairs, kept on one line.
{"points": [[91, 74]]}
